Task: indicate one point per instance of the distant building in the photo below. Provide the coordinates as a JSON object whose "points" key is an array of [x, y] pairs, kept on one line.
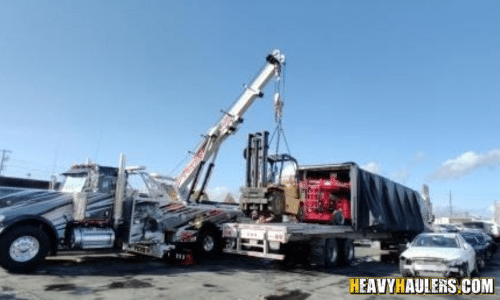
{"points": [[25, 183], [453, 220]]}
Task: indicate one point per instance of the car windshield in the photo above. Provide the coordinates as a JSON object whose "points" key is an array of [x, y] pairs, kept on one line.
{"points": [[435, 241], [481, 238], [474, 225], [471, 240]]}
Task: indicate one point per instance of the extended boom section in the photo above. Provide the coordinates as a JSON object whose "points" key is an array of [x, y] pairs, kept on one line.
{"points": [[209, 147]]}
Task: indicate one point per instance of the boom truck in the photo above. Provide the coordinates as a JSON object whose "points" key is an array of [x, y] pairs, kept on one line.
{"points": [[99, 207], [319, 211]]}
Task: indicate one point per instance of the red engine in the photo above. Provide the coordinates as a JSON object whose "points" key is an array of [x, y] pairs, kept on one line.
{"points": [[326, 201]]}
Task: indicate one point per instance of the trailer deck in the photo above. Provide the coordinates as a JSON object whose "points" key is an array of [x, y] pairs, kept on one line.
{"points": [[267, 240]]}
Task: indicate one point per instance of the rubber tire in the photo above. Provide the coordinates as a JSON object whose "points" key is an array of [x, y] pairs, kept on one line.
{"points": [[331, 252], [402, 271], [466, 271], [475, 272], [10, 236], [347, 252], [482, 263], [203, 235]]}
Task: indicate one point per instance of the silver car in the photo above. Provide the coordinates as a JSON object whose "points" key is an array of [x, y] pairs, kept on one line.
{"points": [[438, 255]]}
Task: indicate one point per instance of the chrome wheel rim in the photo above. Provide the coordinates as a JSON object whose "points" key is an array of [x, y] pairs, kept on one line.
{"points": [[24, 249], [230, 244], [208, 243]]}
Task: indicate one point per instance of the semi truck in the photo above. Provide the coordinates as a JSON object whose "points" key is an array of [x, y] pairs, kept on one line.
{"points": [[333, 205], [100, 207]]}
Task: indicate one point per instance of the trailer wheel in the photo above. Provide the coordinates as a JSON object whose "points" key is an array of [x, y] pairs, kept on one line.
{"points": [[347, 252], [22, 248], [331, 252]]}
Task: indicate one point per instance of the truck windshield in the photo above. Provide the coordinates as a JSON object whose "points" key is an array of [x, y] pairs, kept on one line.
{"points": [[73, 184]]}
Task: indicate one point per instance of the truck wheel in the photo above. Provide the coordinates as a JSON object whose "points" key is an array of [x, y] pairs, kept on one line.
{"points": [[347, 252], [22, 248], [331, 252], [208, 242]]}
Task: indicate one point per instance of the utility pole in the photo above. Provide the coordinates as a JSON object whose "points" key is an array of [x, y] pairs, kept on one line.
{"points": [[4, 158], [451, 210]]}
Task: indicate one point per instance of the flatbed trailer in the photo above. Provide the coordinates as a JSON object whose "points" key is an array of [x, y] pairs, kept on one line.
{"points": [[266, 240], [379, 209]]}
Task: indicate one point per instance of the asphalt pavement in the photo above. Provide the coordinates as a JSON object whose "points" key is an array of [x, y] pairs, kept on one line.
{"points": [[124, 276]]}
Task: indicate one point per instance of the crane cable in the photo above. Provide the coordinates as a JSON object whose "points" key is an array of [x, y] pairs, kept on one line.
{"points": [[279, 92]]}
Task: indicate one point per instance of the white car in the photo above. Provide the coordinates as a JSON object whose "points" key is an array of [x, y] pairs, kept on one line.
{"points": [[438, 255]]}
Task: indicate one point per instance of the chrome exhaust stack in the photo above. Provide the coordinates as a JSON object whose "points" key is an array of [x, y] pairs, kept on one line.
{"points": [[120, 193]]}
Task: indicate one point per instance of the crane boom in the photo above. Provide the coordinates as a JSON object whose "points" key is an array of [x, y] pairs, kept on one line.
{"points": [[209, 146]]}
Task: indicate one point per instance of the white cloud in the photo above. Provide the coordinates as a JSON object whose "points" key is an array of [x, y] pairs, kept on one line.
{"points": [[288, 173], [371, 167], [403, 174], [465, 164], [418, 157]]}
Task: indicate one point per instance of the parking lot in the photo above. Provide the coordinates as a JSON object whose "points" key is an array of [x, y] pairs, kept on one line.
{"points": [[114, 276]]}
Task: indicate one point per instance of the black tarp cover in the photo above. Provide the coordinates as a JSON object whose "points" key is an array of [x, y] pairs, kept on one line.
{"points": [[378, 203], [385, 205]]}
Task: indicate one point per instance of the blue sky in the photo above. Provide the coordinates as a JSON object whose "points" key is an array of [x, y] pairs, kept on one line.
{"points": [[408, 89]]}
